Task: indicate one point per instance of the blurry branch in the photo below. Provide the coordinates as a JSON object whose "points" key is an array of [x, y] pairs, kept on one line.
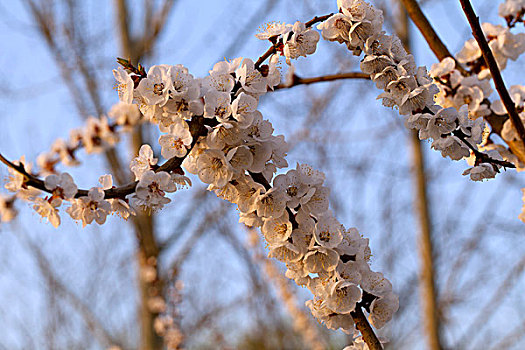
{"points": [[467, 249], [246, 30], [490, 307], [427, 283], [508, 340], [302, 322], [205, 320], [260, 288], [122, 19], [242, 252], [204, 226], [154, 27], [296, 80], [48, 27], [200, 196], [316, 114], [92, 322], [136, 48], [493, 67], [77, 40], [149, 248]]}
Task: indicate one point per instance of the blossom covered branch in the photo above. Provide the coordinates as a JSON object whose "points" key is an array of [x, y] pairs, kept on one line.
{"points": [[235, 152], [211, 127], [493, 67]]}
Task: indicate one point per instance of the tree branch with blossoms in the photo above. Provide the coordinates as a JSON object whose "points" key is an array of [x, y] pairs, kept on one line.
{"points": [[168, 97], [432, 38], [211, 127], [488, 56], [509, 11]]}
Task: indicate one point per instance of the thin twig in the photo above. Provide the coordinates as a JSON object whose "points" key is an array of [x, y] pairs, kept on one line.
{"points": [[197, 129], [306, 81], [277, 44], [495, 301], [92, 322], [493, 67]]}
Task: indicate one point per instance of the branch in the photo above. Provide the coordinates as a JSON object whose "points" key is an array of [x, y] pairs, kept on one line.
{"points": [[434, 42], [277, 44], [122, 18], [421, 204], [480, 156], [440, 51], [296, 80], [357, 315], [151, 34], [197, 129], [496, 300], [94, 324], [366, 330], [493, 67]]}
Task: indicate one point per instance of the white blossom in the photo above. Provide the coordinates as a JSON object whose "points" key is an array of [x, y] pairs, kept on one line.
{"points": [[321, 259], [16, 182], [511, 8], [293, 186], [273, 29], [214, 168], [47, 210], [98, 135], [451, 146], [220, 78], [125, 114], [336, 28], [302, 42], [155, 88], [151, 190], [124, 85], [343, 297], [252, 81], [139, 165], [64, 152], [243, 107], [62, 186], [90, 207], [375, 283], [277, 230], [382, 309], [328, 231], [217, 105], [272, 203], [177, 142], [482, 172]]}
